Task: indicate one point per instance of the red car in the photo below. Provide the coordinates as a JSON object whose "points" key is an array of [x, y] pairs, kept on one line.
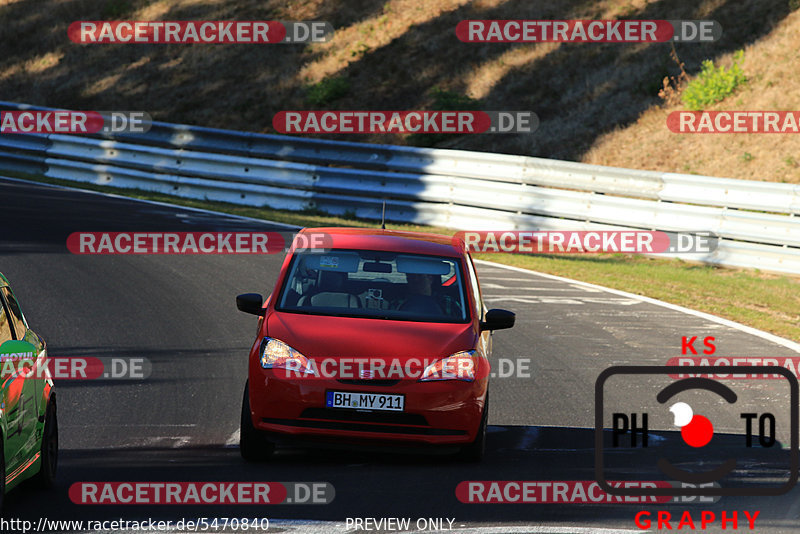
{"points": [[380, 338]]}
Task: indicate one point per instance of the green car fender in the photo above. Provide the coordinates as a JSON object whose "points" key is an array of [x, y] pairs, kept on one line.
{"points": [[22, 382]]}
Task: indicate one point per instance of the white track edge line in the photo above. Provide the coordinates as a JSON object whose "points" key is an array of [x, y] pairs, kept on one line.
{"points": [[789, 344]]}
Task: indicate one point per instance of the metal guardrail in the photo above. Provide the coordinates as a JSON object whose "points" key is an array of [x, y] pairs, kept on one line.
{"points": [[458, 189]]}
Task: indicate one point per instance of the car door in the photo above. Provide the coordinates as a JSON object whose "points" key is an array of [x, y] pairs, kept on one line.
{"points": [[19, 395]]}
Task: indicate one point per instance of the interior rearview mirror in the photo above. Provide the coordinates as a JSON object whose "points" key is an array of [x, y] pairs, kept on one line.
{"points": [[377, 267]]}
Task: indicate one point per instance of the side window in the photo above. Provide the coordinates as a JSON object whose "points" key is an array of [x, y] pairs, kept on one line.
{"points": [[476, 292], [5, 325], [18, 323]]}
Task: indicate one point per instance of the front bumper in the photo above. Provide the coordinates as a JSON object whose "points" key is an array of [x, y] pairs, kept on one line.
{"points": [[435, 413]]}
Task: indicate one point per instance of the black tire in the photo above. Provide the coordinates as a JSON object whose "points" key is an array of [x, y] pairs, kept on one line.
{"points": [[253, 446], [46, 476], [474, 452]]}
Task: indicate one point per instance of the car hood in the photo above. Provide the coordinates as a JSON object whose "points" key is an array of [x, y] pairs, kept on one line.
{"points": [[318, 336]]}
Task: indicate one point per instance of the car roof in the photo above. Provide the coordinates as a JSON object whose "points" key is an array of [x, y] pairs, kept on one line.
{"points": [[390, 240]]}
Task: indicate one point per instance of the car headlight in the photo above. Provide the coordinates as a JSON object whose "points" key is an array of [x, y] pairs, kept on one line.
{"points": [[275, 354], [459, 366]]}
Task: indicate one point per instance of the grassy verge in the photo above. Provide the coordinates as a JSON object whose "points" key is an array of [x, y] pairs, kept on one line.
{"points": [[764, 301]]}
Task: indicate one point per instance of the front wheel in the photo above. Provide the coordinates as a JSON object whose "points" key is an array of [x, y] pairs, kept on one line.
{"points": [[474, 452], [253, 446], [46, 476]]}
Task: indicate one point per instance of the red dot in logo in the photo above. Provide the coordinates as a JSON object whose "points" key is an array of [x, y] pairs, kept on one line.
{"points": [[698, 432]]}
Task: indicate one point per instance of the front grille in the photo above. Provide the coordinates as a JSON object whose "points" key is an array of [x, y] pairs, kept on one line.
{"points": [[391, 418], [363, 427], [370, 382]]}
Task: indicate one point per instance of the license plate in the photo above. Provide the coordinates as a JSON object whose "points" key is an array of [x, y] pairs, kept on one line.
{"points": [[365, 401]]}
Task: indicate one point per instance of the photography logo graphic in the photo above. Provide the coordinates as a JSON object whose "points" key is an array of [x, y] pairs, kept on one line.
{"points": [[707, 463]]}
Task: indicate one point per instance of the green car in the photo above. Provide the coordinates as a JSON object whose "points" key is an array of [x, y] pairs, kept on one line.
{"points": [[28, 423]]}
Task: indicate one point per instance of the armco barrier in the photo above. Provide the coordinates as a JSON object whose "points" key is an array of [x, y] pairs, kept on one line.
{"points": [[457, 189]]}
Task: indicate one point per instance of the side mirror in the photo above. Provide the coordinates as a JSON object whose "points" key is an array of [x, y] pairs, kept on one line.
{"points": [[250, 303], [498, 319]]}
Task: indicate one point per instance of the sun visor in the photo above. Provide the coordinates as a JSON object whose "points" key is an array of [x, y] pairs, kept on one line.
{"points": [[417, 265]]}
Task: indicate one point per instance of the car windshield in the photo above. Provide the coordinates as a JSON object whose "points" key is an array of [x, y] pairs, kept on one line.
{"points": [[375, 284]]}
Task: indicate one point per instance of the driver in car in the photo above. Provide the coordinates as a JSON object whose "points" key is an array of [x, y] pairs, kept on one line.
{"points": [[423, 298]]}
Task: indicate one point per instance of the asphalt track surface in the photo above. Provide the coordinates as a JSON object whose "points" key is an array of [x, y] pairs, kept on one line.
{"points": [[180, 424]]}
